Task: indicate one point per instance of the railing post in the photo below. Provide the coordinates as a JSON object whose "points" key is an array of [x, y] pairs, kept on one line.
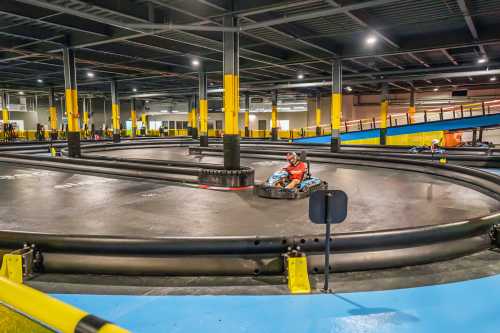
{"points": [[441, 117], [470, 112], [483, 108], [425, 116], [408, 122], [374, 123], [461, 111], [346, 129], [390, 120], [360, 125]]}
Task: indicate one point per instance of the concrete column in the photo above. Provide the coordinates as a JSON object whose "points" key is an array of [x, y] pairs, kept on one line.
{"points": [[133, 118], [115, 111], [52, 115], [231, 95], [203, 106], [336, 104], [71, 98], [274, 115], [247, 115], [384, 108]]}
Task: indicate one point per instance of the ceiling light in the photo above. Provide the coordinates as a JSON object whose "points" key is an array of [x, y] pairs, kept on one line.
{"points": [[370, 40], [39, 81], [435, 89], [147, 101], [482, 60], [21, 93], [134, 89], [90, 74], [348, 88], [195, 62], [493, 78], [300, 76]]}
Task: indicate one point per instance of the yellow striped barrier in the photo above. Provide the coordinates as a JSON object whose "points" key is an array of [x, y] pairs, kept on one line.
{"points": [[51, 312]]}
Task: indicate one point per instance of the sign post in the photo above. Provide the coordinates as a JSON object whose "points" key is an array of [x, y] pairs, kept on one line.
{"points": [[327, 207]]}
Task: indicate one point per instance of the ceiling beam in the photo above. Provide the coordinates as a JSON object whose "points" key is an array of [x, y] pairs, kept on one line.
{"points": [[464, 8], [448, 55]]}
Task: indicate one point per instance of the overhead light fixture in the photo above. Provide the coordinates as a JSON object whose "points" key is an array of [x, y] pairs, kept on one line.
{"points": [[90, 74], [195, 62], [370, 40], [39, 81], [300, 76], [493, 78], [435, 89], [348, 88], [21, 93], [147, 101], [134, 89], [482, 60]]}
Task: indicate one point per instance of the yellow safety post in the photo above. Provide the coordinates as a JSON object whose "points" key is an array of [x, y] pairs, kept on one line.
{"points": [[50, 311], [247, 115], [298, 278], [115, 112], [12, 267]]}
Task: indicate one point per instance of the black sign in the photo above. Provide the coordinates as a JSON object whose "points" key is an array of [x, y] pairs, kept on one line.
{"points": [[327, 204]]}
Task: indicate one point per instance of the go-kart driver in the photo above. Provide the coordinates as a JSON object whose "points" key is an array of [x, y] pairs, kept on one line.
{"points": [[296, 170]]}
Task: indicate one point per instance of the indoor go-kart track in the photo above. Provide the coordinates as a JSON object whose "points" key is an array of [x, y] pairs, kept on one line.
{"points": [[380, 199]]}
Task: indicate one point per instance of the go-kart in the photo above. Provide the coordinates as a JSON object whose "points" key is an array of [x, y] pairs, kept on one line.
{"points": [[426, 149], [274, 187]]}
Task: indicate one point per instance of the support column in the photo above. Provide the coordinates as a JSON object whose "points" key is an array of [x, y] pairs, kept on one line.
{"points": [[336, 105], [144, 120], [115, 111], [203, 105], [194, 118], [247, 115], [411, 108], [71, 98], [133, 118], [274, 115], [231, 95], [384, 107], [52, 115], [85, 118], [189, 117], [318, 113]]}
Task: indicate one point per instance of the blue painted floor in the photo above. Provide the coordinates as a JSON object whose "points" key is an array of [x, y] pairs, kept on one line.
{"points": [[470, 306]]}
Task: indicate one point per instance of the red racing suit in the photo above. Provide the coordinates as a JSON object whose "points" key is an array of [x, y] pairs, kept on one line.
{"points": [[296, 171]]}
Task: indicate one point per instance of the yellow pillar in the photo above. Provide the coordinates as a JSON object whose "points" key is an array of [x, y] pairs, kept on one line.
{"points": [[5, 109], [384, 108], [274, 115], [411, 109], [133, 118], [318, 114]]}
